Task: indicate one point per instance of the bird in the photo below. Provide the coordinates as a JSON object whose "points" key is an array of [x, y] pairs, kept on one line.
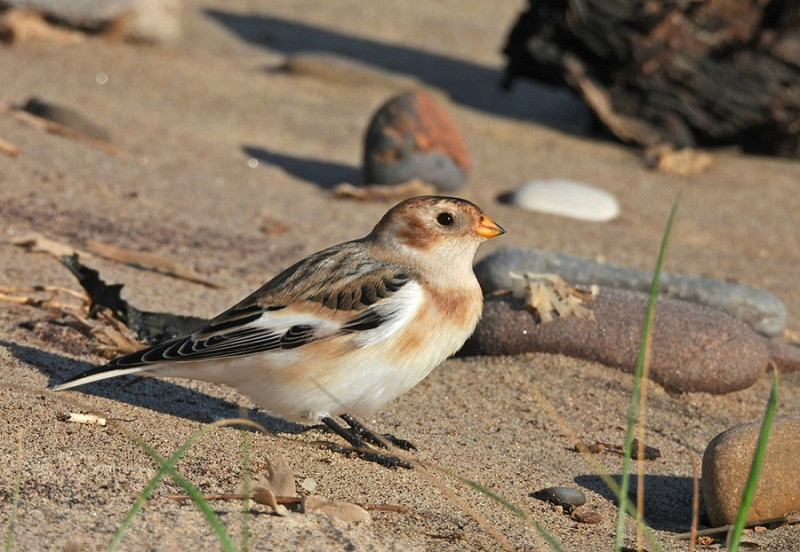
{"points": [[345, 330]]}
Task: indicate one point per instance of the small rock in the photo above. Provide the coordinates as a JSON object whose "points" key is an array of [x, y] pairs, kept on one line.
{"points": [[563, 496], [587, 517], [568, 199], [309, 485], [758, 308], [726, 465], [694, 348], [785, 356], [410, 137]]}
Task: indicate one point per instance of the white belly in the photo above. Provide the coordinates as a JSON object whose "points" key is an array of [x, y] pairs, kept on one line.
{"points": [[354, 374]]}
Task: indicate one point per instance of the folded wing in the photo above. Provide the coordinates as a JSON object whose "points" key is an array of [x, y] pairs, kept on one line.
{"points": [[373, 299]]}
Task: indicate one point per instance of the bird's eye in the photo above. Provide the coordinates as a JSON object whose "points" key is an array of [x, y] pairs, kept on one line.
{"points": [[445, 219]]}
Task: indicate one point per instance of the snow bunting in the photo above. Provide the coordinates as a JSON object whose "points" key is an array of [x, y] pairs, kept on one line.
{"points": [[345, 330]]}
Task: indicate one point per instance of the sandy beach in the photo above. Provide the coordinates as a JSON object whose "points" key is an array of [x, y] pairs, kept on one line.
{"points": [[227, 166]]}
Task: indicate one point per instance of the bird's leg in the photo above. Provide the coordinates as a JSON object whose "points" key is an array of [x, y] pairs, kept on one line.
{"points": [[380, 440], [362, 448]]}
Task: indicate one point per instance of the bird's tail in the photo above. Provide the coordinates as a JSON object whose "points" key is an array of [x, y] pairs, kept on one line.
{"points": [[97, 374]]}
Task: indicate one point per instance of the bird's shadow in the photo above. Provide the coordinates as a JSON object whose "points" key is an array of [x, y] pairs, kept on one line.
{"points": [[325, 174], [667, 499], [153, 393], [466, 83]]}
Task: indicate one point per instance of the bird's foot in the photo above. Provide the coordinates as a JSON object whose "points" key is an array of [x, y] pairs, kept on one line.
{"points": [[371, 437], [360, 438]]}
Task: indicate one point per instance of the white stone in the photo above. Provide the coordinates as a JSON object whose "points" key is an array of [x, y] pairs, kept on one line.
{"points": [[568, 199]]}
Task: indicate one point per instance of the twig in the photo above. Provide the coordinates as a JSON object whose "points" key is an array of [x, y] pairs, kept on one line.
{"points": [[783, 520], [8, 148], [148, 261], [237, 496], [695, 502], [385, 507]]}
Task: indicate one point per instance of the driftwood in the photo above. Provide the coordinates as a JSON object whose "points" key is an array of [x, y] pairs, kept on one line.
{"points": [[684, 72]]}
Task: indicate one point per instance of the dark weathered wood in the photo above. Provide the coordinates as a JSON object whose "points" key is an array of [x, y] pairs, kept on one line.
{"points": [[688, 72]]}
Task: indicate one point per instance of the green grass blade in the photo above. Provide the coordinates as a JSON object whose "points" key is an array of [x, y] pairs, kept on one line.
{"points": [[244, 534], [166, 468], [644, 351], [197, 497], [755, 469]]}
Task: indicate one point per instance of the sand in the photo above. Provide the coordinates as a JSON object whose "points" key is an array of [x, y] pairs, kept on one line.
{"points": [[228, 169]]}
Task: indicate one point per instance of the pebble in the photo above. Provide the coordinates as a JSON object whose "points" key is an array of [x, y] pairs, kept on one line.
{"points": [[410, 137], [588, 517], [785, 356], [758, 308], [726, 465], [694, 348], [155, 21], [568, 199], [562, 496]]}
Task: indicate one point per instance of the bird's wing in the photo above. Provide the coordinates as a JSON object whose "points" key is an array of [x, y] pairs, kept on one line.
{"points": [[297, 307]]}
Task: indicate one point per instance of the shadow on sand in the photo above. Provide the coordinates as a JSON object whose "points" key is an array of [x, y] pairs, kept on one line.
{"points": [[153, 393]]}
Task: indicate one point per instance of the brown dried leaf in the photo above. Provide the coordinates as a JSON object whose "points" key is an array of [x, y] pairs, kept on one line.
{"points": [[148, 261], [346, 511], [23, 25], [265, 496], [40, 244], [550, 296], [280, 477], [8, 148], [683, 162], [65, 131], [383, 192], [114, 336]]}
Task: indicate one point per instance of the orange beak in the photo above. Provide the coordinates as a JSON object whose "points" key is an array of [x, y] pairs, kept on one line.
{"points": [[488, 229]]}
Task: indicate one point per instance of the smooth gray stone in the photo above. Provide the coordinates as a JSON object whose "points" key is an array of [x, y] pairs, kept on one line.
{"points": [[764, 312], [562, 496]]}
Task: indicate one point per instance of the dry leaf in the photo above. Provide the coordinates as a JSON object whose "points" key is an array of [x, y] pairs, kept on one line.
{"points": [[280, 477], [683, 162], [38, 243], [274, 227], [383, 192], [56, 128], [550, 296], [148, 261], [262, 495], [24, 25], [346, 511], [8, 148]]}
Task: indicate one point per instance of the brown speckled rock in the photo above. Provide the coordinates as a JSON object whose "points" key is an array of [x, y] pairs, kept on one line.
{"points": [[726, 464], [694, 348], [411, 137], [785, 356]]}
